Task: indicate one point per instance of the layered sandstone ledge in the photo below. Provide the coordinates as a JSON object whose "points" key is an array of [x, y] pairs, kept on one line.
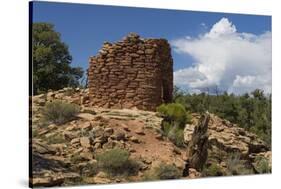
{"points": [[134, 72]]}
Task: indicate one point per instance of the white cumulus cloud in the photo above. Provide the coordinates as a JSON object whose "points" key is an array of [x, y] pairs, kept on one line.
{"points": [[232, 61]]}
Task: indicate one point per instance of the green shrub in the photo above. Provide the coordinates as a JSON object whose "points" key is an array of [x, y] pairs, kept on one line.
{"points": [[174, 113], [233, 163], [236, 166], [164, 172], [59, 112], [116, 162], [212, 170], [176, 135], [262, 165], [90, 170], [166, 128], [175, 118]]}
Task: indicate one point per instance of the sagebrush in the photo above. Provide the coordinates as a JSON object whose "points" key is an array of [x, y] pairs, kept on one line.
{"points": [[116, 162], [59, 112]]}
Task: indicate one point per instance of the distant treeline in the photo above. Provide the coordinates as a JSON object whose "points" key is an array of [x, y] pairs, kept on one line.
{"points": [[251, 111]]}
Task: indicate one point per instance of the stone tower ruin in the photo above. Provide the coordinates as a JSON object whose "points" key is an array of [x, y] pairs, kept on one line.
{"points": [[134, 72]]}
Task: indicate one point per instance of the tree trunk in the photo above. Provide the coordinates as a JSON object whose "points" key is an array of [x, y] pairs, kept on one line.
{"points": [[197, 150]]}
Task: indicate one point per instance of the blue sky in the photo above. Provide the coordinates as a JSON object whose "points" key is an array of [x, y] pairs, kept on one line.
{"points": [[85, 27]]}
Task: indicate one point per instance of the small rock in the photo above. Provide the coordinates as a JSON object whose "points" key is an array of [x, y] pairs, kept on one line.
{"points": [[135, 139], [219, 129], [147, 161], [71, 127], [132, 150], [176, 151], [142, 166], [193, 173], [97, 145], [126, 128], [47, 181], [109, 145], [97, 131], [179, 163], [86, 116], [52, 126], [140, 131], [223, 164], [85, 142], [43, 148], [88, 110], [102, 139], [86, 125], [99, 180], [50, 95], [75, 141], [159, 137], [71, 175], [43, 132], [68, 135], [87, 155], [108, 131], [41, 102], [120, 136], [49, 135], [101, 174], [78, 150]]}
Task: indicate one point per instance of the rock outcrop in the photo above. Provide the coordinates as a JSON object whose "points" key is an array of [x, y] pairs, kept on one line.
{"points": [[71, 148], [66, 154], [228, 137], [224, 140], [131, 73]]}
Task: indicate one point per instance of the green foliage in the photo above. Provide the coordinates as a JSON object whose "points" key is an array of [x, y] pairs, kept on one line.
{"points": [[175, 118], [176, 135], [212, 170], [90, 170], [116, 162], [55, 139], [51, 60], [250, 111], [262, 165], [174, 113], [164, 172], [236, 166], [59, 112]]}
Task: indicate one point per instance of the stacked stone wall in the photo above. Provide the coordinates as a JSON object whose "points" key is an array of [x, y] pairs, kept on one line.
{"points": [[131, 73]]}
